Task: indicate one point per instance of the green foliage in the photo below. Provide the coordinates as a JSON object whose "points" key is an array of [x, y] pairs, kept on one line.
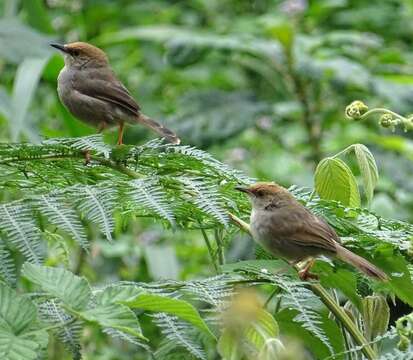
{"points": [[334, 180], [259, 85]]}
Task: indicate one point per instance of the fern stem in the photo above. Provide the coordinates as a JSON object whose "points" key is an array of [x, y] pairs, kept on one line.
{"points": [[220, 247], [101, 160], [329, 302], [210, 250]]}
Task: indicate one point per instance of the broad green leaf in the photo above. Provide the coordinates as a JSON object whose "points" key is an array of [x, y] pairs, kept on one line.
{"points": [[116, 316], [396, 266], [334, 181], [25, 83], [376, 316], [72, 290], [229, 346], [14, 347], [289, 327], [341, 279], [179, 308], [16, 312], [114, 294], [263, 328], [368, 169]]}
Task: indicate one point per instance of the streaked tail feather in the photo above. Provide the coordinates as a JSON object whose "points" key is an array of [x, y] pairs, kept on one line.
{"points": [[169, 135], [362, 264]]}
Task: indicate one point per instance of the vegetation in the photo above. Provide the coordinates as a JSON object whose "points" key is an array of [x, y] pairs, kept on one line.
{"points": [[144, 253]]}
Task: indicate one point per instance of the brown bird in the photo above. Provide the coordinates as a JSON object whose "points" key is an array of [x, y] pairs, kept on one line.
{"points": [[90, 90], [286, 229]]}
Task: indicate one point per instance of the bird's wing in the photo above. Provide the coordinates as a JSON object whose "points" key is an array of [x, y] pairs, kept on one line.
{"points": [[305, 229], [108, 89]]}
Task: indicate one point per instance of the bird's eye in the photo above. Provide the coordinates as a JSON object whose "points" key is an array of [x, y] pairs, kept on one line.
{"points": [[75, 52], [260, 193]]}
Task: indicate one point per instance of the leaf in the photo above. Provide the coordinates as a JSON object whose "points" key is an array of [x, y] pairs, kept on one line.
{"points": [[16, 221], [63, 216], [228, 346], [173, 35], [177, 334], [68, 332], [368, 169], [72, 290], [376, 316], [206, 197], [116, 316], [25, 83], [152, 196], [179, 308], [395, 265], [285, 319], [114, 294], [14, 347], [97, 203], [16, 312], [7, 266], [334, 181], [342, 279]]}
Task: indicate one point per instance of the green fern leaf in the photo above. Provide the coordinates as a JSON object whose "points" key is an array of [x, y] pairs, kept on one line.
{"points": [[7, 266], [148, 194], [68, 332], [97, 203], [178, 334], [59, 283], [61, 215], [16, 221], [206, 197]]}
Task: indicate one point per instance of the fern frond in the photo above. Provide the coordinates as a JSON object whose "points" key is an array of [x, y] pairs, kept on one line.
{"points": [[62, 216], [220, 168], [116, 333], [177, 334], [7, 266], [20, 229], [206, 197], [86, 143], [69, 330], [214, 291], [97, 204], [150, 195], [296, 296]]}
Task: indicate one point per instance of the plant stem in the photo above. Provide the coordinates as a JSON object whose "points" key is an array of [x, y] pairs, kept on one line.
{"points": [[210, 250], [329, 302], [220, 247]]}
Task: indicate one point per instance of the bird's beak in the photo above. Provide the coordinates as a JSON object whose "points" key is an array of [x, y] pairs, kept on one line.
{"points": [[59, 47], [243, 189]]}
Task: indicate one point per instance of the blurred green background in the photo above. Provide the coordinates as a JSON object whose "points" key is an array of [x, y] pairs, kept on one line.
{"points": [[262, 85]]}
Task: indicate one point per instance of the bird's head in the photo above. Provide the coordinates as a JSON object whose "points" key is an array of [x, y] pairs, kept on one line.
{"points": [[82, 55], [263, 194]]}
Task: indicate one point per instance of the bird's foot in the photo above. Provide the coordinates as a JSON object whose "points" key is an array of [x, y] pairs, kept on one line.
{"points": [[305, 275]]}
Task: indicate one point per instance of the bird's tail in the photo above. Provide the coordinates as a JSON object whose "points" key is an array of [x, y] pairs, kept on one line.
{"points": [[362, 264], [169, 135]]}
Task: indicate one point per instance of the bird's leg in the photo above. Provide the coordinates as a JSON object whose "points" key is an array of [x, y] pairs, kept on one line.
{"points": [[120, 135], [305, 274], [101, 127]]}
